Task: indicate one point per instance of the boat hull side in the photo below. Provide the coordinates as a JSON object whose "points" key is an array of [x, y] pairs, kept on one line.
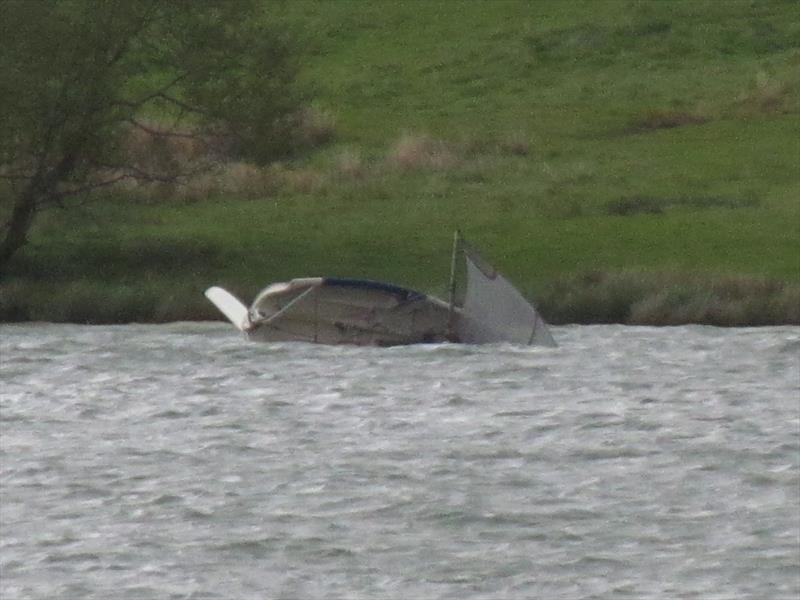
{"points": [[346, 312]]}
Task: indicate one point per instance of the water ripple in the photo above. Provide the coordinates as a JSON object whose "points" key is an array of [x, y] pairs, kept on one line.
{"points": [[179, 461]]}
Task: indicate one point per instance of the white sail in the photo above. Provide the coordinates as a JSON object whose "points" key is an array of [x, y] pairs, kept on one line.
{"points": [[493, 310]]}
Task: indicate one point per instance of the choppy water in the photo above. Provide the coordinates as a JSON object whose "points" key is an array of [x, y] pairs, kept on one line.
{"points": [[183, 462]]}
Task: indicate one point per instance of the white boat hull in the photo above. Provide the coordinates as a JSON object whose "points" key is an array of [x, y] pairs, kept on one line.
{"points": [[342, 311]]}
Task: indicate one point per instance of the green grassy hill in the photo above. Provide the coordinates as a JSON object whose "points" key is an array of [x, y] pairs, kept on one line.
{"points": [[621, 160]]}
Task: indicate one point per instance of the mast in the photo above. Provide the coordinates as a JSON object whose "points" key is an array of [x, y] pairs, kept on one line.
{"points": [[451, 321]]}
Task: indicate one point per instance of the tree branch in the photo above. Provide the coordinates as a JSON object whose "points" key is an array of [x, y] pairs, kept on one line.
{"points": [[181, 104], [59, 196], [164, 133], [159, 93]]}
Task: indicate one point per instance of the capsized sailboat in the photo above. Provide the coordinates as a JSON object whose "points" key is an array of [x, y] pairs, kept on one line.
{"points": [[484, 307]]}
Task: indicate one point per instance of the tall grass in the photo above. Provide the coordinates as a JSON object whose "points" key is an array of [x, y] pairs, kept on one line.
{"points": [[96, 302], [637, 298]]}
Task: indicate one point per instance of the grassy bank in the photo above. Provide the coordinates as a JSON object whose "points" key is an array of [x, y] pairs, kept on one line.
{"points": [[620, 161]]}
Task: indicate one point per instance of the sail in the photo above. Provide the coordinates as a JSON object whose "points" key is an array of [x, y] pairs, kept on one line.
{"points": [[493, 310]]}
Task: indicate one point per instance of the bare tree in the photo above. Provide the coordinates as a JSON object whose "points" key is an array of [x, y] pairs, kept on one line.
{"points": [[81, 78]]}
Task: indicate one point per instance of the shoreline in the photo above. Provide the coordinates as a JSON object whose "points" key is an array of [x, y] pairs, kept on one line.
{"points": [[623, 297]]}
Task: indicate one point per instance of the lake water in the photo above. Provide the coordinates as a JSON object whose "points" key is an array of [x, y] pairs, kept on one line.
{"points": [[180, 461]]}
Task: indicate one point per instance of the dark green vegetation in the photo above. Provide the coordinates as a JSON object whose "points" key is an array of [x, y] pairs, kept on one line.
{"points": [[621, 161]]}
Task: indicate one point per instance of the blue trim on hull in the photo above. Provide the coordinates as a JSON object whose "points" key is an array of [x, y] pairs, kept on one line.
{"points": [[404, 294]]}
